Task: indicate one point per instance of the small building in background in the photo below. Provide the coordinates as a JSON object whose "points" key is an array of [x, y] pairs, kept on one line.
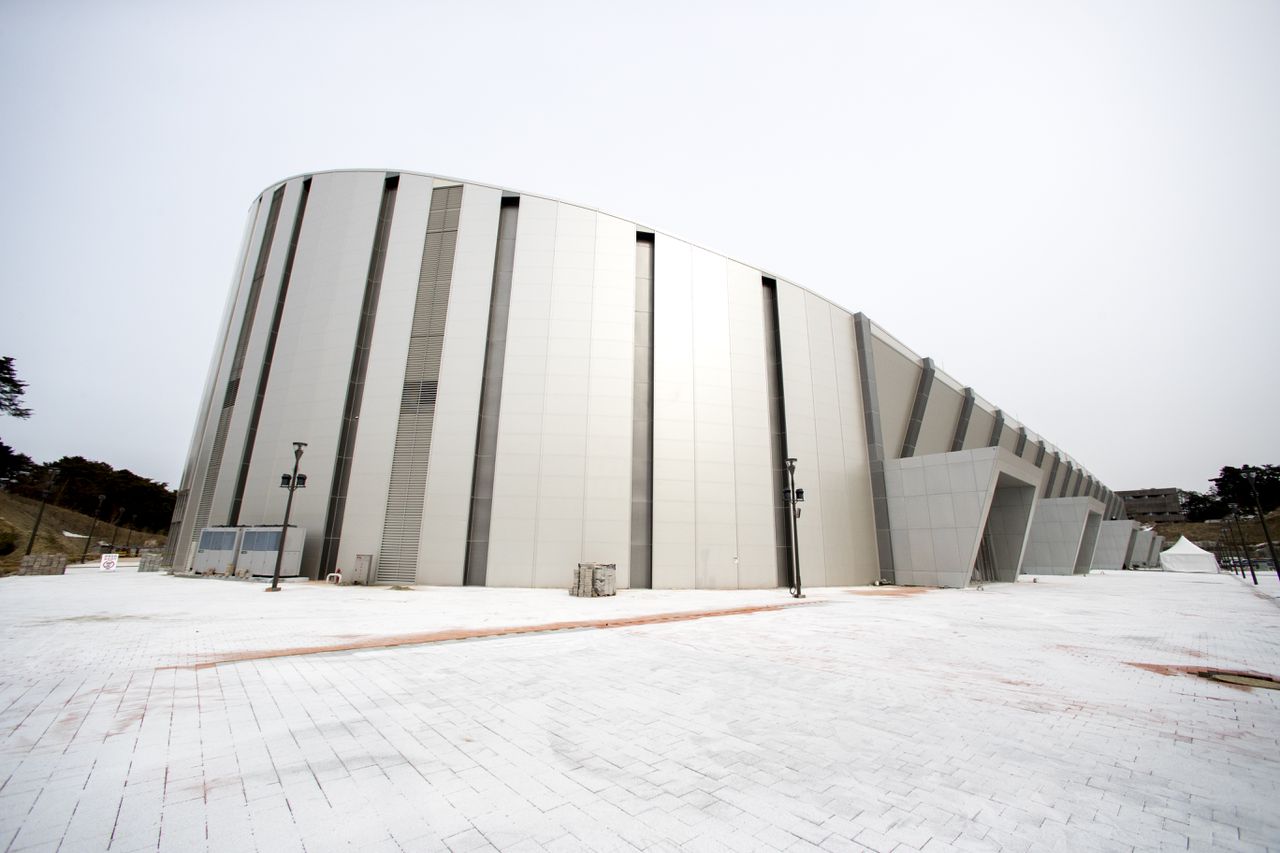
{"points": [[1153, 505]]}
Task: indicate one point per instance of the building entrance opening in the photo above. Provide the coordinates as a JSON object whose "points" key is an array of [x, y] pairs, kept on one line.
{"points": [[1084, 557], [1005, 535]]}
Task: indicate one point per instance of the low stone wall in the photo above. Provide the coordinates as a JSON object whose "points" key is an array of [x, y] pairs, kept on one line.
{"points": [[149, 559], [43, 564]]}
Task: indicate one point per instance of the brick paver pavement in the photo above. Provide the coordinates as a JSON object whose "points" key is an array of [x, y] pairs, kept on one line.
{"points": [[1031, 716]]}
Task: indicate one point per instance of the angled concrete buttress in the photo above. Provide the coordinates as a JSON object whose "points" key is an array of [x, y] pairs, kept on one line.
{"points": [[960, 516], [1139, 549], [1063, 536], [1115, 542]]}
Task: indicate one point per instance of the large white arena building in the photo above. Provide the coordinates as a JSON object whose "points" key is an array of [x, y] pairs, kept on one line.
{"points": [[494, 386]]}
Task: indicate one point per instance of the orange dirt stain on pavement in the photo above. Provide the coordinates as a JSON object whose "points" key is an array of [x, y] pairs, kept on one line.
{"points": [[453, 634], [1206, 671]]}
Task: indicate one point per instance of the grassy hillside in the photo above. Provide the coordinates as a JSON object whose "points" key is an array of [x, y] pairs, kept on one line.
{"points": [[1207, 531], [17, 514]]}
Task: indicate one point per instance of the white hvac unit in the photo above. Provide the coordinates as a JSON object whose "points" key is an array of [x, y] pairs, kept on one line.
{"points": [[217, 550], [258, 549]]}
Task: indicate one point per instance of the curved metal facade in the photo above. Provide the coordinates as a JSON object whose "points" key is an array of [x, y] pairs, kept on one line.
{"points": [[495, 386]]}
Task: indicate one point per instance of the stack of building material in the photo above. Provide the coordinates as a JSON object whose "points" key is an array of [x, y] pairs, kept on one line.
{"points": [[604, 579], [43, 564], [149, 559], [595, 580], [583, 577]]}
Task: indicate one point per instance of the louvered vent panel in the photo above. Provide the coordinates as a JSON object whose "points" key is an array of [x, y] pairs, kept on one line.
{"points": [[402, 526], [175, 525]]}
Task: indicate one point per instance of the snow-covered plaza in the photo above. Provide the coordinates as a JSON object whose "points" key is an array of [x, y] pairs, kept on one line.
{"points": [[142, 711]]}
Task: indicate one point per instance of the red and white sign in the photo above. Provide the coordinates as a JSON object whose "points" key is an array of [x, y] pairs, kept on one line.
{"points": [[109, 562]]}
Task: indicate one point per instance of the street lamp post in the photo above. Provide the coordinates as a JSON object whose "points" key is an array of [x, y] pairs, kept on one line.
{"points": [[92, 527], [115, 529], [1222, 549], [1244, 547], [44, 499], [1238, 556], [291, 482], [792, 497], [1251, 475]]}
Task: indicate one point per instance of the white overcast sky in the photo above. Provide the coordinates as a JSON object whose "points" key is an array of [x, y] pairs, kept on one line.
{"points": [[1073, 207]]}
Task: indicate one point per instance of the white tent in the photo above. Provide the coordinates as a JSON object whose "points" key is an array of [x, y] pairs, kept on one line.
{"points": [[1186, 556]]}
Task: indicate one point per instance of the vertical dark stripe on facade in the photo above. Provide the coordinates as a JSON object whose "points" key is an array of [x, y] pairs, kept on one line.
{"points": [[875, 444], [1040, 452], [251, 435], [918, 409], [1066, 481], [402, 523], [1053, 472], [232, 390], [997, 430], [495, 353], [337, 505], [777, 427], [962, 422], [194, 486], [175, 527], [642, 420], [1022, 441]]}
